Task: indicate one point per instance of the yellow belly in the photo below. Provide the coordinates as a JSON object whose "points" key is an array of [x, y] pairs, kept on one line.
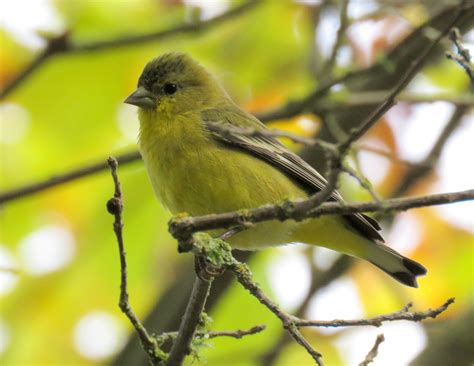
{"points": [[194, 174], [198, 176]]}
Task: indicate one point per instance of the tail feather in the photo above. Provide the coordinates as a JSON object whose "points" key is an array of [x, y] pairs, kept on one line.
{"points": [[403, 269], [328, 232]]}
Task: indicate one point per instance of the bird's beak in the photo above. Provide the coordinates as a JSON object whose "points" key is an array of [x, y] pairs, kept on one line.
{"points": [[141, 98]]}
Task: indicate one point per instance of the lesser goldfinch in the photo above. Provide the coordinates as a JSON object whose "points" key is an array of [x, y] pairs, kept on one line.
{"points": [[198, 170]]}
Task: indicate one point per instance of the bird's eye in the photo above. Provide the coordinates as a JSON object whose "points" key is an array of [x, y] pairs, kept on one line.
{"points": [[170, 88]]}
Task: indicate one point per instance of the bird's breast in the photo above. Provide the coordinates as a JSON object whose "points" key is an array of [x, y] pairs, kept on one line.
{"points": [[191, 172]]}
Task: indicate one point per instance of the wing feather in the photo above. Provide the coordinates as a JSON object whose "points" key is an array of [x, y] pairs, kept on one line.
{"points": [[272, 151]]}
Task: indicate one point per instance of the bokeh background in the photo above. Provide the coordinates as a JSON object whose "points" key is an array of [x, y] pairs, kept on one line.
{"points": [[59, 267]]}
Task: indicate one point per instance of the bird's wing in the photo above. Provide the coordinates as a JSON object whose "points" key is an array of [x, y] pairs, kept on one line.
{"points": [[272, 151]]}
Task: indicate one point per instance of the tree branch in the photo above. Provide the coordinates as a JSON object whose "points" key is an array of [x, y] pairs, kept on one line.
{"points": [[62, 44], [217, 251], [296, 107], [327, 69], [244, 276], [410, 73], [462, 57], [424, 167], [404, 314], [319, 280], [335, 158], [237, 334], [115, 208], [54, 46], [190, 322], [183, 227], [374, 97], [374, 351], [192, 317], [69, 176], [312, 101]]}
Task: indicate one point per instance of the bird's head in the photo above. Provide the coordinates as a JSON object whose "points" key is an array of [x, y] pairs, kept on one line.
{"points": [[174, 83]]}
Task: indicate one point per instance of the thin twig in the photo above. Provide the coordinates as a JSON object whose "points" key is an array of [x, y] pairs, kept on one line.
{"points": [[115, 208], [404, 314], [373, 97], [296, 107], [306, 141], [335, 159], [54, 46], [384, 153], [183, 227], [307, 103], [327, 69], [69, 176], [237, 334], [62, 44], [244, 276], [190, 322], [362, 180], [315, 57], [463, 56], [425, 166], [292, 323], [319, 280], [253, 132], [374, 351], [390, 99]]}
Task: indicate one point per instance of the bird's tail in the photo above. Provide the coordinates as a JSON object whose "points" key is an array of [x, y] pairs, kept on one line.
{"points": [[403, 269], [330, 232]]}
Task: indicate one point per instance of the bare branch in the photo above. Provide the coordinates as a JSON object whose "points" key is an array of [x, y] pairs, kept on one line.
{"points": [[327, 69], [189, 323], [311, 102], [62, 44], [363, 181], [374, 351], [463, 57], [296, 107], [237, 334], [183, 227], [373, 97], [404, 314], [319, 280], [423, 168], [382, 152], [244, 276], [54, 45], [115, 208], [218, 252], [410, 73], [74, 174]]}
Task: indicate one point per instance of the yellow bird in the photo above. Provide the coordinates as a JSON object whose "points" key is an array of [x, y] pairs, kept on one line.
{"points": [[198, 170]]}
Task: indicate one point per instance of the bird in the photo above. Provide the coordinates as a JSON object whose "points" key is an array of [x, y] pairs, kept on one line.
{"points": [[197, 169]]}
